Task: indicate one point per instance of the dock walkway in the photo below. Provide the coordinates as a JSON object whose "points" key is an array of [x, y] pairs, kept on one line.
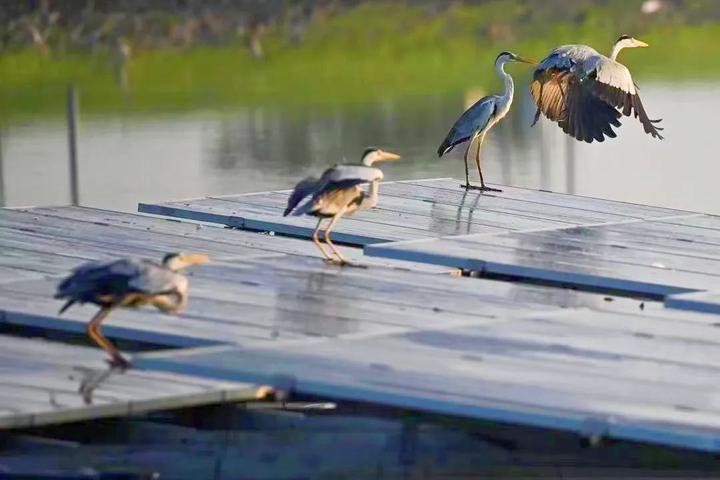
{"points": [[589, 243], [409, 335], [417, 209], [39, 383]]}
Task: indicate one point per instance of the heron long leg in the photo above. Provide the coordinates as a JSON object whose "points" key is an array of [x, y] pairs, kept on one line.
{"points": [[328, 240], [467, 174], [477, 162], [94, 332], [316, 241]]}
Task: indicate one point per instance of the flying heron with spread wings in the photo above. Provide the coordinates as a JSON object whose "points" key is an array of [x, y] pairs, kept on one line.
{"points": [[586, 93], [337, 193], [131, 283], [476, 122]]}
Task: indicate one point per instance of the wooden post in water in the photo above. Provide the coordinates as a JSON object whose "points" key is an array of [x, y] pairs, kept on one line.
{"points": [[2, 180], [72, 112]]}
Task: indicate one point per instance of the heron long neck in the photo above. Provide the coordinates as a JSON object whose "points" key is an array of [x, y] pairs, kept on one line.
{"points": [[371, 199], [509, 85], [616, 49]]}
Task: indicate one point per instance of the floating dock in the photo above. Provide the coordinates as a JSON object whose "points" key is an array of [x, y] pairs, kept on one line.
{"points": [[593, 319], [39, 386]]}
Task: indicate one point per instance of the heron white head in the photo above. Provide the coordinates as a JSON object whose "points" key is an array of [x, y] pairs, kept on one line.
{"points": [[626, 41], [506, 57], [372, 155], [178, 261]]}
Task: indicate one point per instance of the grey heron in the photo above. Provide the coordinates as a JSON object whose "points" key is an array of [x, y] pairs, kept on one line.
{"points": [[586, 92], [131, 283], [337, 193], [477, 120]]}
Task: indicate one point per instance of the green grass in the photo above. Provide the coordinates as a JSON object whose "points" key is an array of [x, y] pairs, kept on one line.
{"points": [[370, 52]]}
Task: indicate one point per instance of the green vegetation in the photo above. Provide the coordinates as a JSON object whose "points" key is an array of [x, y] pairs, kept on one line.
{"points": [[372, 51]]}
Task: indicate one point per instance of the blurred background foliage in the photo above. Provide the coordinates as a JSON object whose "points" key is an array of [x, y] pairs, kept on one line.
{"points": [[178, 55]]}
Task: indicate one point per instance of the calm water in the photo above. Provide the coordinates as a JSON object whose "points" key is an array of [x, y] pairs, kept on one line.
{"points": [[126, 159]]}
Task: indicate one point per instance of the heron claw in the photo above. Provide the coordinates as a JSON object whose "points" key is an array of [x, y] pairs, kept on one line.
{"points": [[481, 188], [119, 363], [94, 378], [343, 263], [353, 265]]}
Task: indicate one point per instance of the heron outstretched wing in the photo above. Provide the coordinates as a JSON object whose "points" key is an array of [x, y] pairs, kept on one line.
{"points": [[475, 118], [304, 188], [586, 93], [127, 275], [613, 83], [340, 177], [97, 277]]}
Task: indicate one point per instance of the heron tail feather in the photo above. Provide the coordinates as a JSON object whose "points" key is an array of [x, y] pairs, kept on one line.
{"points": [[67, 305], [445, 147], [302, 189]]}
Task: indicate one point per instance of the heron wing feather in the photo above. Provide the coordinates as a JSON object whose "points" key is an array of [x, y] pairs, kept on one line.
{"points": [[549, 90], [610, 72], [612, 82], [94, 279], [360, 173], [304, 188], [339, 178], [473, 120], [582, 90], [587, 117], [628, 103]]}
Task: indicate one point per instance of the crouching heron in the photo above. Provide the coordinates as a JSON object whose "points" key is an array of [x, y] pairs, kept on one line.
{"points": [[337, 193], [586, 92], [128, 283], [477, 120]]}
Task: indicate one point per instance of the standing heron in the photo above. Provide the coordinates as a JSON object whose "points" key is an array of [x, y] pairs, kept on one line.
{"points": [[586, 92], [337, 193], [477, 120], [128, 283]]}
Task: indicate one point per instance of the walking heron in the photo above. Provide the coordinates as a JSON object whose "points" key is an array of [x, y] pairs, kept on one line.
{"points": [[586, 92], [477, 120], [337, 193], [128, 283]]}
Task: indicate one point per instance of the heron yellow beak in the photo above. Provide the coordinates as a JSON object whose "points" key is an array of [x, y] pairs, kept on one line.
{"points": [[388, 156], [525, 60], [194, 258], [639, 43]]}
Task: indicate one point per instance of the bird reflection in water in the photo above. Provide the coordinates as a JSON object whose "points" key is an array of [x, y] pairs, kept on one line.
{"points": [[454, 218], [316, 306], [578, 249]]}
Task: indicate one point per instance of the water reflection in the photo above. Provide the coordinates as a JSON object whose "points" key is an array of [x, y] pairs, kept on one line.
{"points": [[125, 159], [313, 308]]}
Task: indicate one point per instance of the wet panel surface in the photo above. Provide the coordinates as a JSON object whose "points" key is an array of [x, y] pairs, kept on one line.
{"points": [[617, 257], [412, 210], [39, 384], [582, 370]]}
